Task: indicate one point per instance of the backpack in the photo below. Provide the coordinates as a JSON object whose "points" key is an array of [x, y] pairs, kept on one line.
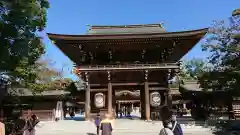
{"points": [[178, 127], [164, 131]]}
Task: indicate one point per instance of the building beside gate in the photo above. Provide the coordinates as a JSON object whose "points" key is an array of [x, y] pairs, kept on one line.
{"points": [[127, 60]]}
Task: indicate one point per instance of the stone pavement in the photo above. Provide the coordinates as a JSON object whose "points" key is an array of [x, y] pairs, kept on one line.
{"points": [[121, 127]]}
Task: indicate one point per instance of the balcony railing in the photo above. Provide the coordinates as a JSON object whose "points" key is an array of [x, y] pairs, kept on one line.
{"points": [[129, 67]]}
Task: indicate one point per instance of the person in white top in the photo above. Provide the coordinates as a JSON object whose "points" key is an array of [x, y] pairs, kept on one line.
{"points": [[2, 127], [166, 130]]}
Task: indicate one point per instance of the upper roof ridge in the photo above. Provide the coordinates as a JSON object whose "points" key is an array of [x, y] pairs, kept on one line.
{"points": [[159, 25]]}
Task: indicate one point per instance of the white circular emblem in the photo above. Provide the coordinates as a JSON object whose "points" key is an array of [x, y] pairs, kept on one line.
{"points": [[155, 99], [99, 100]]}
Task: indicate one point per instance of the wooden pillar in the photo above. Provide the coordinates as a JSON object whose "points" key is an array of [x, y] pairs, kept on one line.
{"points": [[140, 106], [109, 94], [132, 107], [169, 96], [87, 98], [119, 106], [147, 101]]}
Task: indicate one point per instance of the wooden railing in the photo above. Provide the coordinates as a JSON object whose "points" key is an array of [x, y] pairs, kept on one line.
{"points": [[129, 67]]}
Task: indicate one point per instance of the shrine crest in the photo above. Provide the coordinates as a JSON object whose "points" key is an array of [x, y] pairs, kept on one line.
{"points": [[99, 100], [155, 99]]}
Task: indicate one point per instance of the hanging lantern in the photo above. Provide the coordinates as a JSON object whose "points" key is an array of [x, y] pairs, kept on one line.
{"points": [[76, 71]]}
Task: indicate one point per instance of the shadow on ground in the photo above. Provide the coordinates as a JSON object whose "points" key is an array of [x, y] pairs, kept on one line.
{"points": [[75, 118], [132, 117], [91, 134], [227, 127]]}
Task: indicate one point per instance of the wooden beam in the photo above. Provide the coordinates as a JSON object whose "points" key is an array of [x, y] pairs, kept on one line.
{"points": [[158, 88], [96, 68], [96, 90], [125, 84]]}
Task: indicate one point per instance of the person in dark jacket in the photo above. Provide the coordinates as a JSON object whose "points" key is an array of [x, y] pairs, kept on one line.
{"points": [[106, 126], [176, 127], [98, 122]]}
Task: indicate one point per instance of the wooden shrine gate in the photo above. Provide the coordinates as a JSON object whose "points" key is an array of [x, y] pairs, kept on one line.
{"points": [[118, 57], [152, 83]]}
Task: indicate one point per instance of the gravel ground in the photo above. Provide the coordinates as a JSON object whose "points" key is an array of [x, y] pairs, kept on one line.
{"points": [[121, 127]]}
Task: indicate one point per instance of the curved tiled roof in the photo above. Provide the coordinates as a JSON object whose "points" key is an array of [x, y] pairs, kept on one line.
{"points": [[126, 29], [70, 44], [66, 37], [126, 26]]}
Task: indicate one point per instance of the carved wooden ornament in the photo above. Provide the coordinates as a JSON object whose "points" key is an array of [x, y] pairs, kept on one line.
{"points": [[99, 100], [155, 99]]}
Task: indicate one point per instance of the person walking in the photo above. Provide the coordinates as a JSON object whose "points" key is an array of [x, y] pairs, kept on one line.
{"points": [[106, 126], [18, 126], [98, 122], [31, 122], [176, 127], [166, 130]]}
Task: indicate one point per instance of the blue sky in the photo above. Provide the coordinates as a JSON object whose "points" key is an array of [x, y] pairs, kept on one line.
{"points": [[72, 16]]}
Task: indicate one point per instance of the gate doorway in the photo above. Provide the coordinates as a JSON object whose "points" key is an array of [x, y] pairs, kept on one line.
{"points": [[128, 109]]}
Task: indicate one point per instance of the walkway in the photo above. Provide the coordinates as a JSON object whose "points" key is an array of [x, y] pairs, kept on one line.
{"points": [[121, 127]]}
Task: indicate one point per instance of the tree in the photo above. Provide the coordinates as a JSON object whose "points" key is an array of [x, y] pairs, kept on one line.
{"points": [[48, 78], [224, 46], [20, 45], [236, 12], [193, 69]]}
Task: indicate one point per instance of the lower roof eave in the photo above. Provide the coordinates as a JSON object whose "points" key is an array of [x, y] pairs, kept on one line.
{"points": [[129, 67], [112, 69]]}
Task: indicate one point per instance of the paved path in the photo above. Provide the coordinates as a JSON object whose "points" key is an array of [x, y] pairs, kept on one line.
{"points": [[121, 127]]}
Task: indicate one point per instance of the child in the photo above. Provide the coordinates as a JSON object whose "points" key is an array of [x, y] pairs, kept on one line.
{"points": [[98, 122]]}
